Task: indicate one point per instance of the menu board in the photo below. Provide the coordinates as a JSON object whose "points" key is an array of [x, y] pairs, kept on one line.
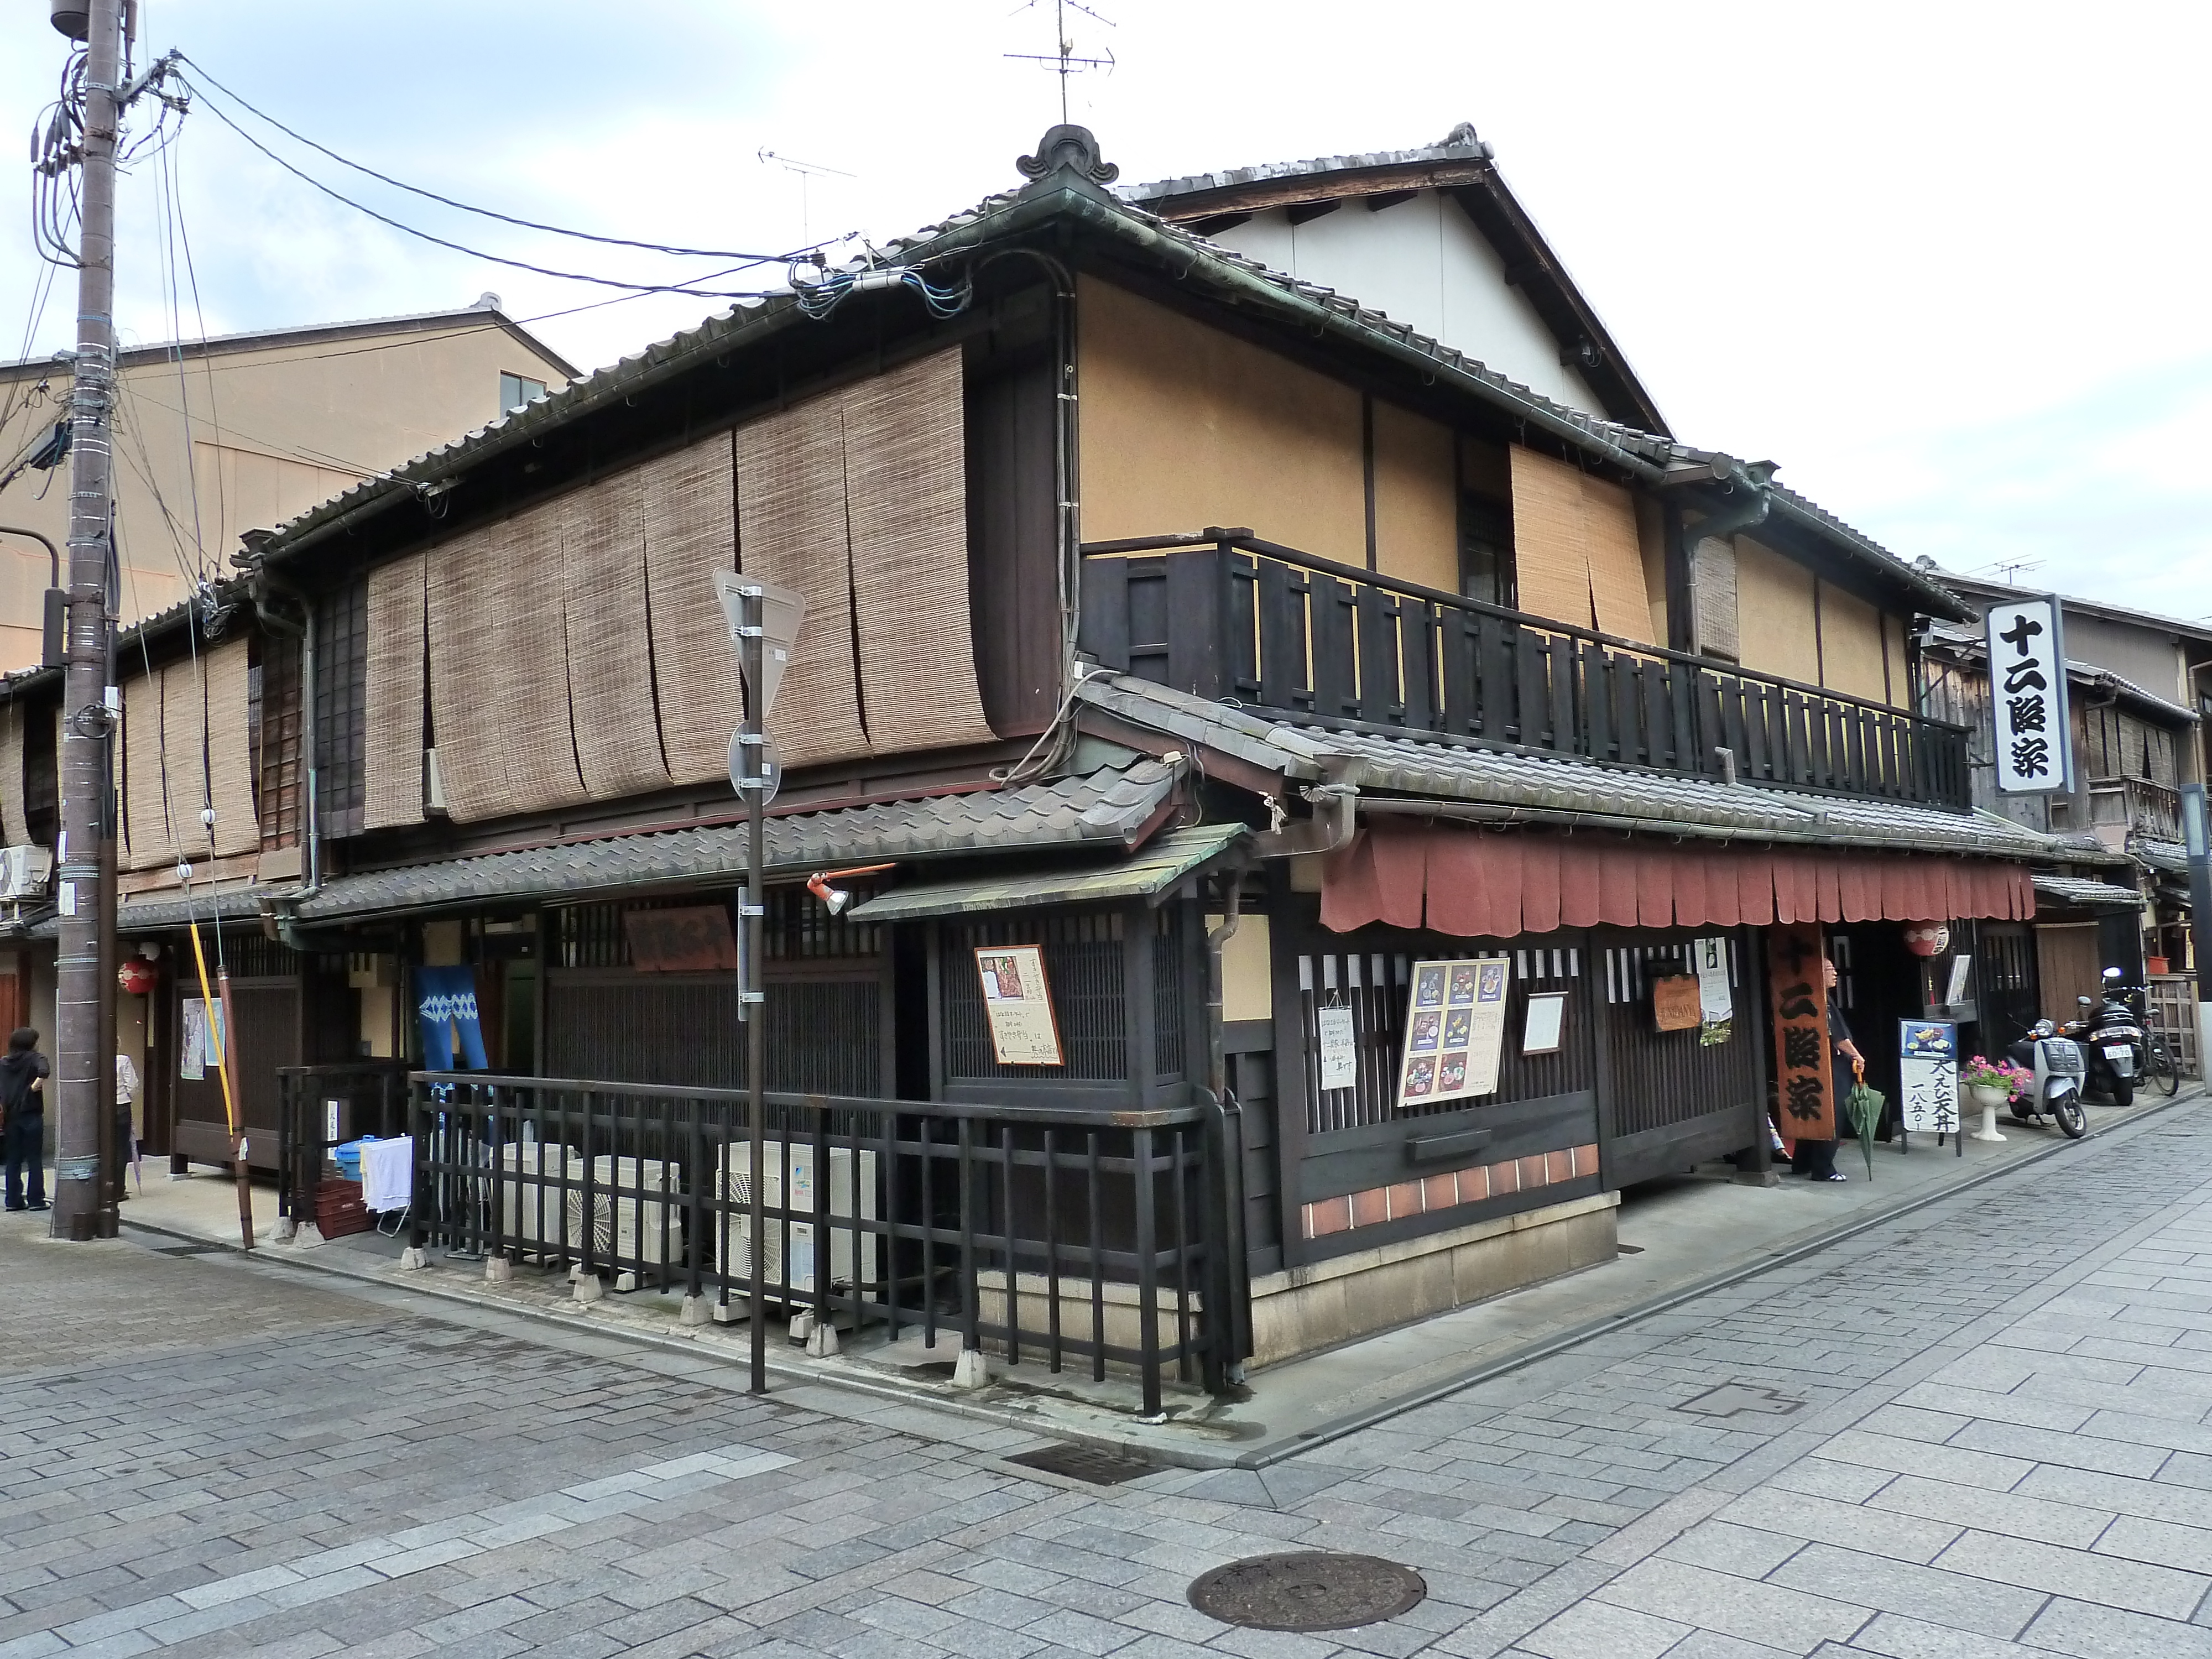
{"points": [[1019, 1005], [1339, 1055], [1927, 1064], [1455, 1030]]}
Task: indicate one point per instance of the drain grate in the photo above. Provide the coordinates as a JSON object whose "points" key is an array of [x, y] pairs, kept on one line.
{"points": [[1095, 1464], [1309, 1589], [187, 1249]]}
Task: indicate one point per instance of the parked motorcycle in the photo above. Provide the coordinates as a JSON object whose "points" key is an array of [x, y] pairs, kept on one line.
{"points": [[2059, 1068], [2114, 1035]]}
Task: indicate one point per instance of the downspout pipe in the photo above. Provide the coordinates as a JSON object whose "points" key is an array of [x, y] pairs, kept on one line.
{"points": [[1746, 504], [1233, 1279], [285, 914]]}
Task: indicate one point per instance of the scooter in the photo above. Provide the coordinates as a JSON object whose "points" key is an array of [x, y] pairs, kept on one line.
{"points": [[2111, 1034], [2058, 1069]]}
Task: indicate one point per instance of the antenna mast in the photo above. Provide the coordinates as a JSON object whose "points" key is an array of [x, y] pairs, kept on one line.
{"points": [[1062, 60]]}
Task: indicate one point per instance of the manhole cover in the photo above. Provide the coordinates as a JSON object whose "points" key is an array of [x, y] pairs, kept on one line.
{"points": [[1091, 1463], [1311, 1590]]}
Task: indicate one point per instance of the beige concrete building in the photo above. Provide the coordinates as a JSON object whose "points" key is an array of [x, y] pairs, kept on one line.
{"points": [[245, 431]]}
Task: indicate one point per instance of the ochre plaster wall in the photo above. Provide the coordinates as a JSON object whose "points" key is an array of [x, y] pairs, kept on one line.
{"points": [[1774, 610], [1416, 500], [1850, 644], [1184, 427]]}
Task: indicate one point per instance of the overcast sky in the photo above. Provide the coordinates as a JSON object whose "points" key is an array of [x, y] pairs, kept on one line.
{"points": [[1945, 263]]}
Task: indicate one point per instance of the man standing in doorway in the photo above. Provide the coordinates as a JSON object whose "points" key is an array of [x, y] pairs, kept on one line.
{"points": [[23, 1074]]}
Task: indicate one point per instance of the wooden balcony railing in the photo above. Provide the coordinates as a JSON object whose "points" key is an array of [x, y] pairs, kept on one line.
{"points": [[2137, 803], [1228, 617]]}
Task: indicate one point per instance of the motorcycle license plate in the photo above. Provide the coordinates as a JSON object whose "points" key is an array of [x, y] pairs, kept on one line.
{"points": [[2118, 1051]]}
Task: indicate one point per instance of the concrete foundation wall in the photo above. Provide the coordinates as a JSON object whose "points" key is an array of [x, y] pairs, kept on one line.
{"points": [[1301, 1309]]}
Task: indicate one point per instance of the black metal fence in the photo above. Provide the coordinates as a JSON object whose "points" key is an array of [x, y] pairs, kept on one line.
{"points": [[321, 1107], [1069, 1236], [1236, 617]]}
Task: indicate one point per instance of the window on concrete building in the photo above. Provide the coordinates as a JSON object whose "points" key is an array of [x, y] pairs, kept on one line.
{"points": [[516, 390]]}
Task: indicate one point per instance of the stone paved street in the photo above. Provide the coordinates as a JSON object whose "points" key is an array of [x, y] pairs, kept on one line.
{"points": [[1978, 1429]]}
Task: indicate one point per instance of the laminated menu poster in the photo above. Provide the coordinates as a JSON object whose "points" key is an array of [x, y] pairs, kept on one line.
{"points": [[1455, 1030], [1019, 1004]]}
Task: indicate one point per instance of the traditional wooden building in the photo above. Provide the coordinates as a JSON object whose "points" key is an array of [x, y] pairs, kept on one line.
{"points": [[1235, 647]]}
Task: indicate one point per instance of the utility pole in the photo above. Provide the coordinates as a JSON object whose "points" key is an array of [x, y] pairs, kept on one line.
{"points": [[83, 1099]]}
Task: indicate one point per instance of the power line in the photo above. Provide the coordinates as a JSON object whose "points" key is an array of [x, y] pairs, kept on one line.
{"points": [[495, 259], [486, 213]]}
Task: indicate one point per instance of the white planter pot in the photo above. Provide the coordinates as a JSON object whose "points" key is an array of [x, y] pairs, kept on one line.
{"points": [[1988, 1098]]}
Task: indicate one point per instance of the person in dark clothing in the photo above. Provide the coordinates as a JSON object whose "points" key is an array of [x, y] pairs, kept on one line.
{"points": [[1817, 1159], [23, 1073]]}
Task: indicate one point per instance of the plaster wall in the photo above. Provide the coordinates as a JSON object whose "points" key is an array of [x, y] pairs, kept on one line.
{"points": [[1416, 500], [1184, 426], [1774, 612], [1850, 644], [245, 439], [1422, 262]]}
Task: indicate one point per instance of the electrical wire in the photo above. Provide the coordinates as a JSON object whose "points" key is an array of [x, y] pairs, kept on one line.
{"points": [[306, 177], [484, 213]]}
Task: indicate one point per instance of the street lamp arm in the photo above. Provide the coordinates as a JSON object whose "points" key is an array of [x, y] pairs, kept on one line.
{"points": [[53, 553]]}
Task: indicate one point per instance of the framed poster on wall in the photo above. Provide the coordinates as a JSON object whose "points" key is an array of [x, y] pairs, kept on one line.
{"points": [[1017, 1003], [1455, 1030]]}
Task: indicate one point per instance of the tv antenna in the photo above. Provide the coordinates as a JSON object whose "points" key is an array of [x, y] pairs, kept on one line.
{"points": [[2010, 569], [806, 170], [1063, 62]]}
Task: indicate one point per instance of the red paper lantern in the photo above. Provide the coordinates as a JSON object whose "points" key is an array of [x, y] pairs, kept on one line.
{"points": [[136, 976], [1928, 938]]}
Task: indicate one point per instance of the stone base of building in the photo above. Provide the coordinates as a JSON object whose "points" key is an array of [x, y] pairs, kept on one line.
{"points": [[1301, 1309]]}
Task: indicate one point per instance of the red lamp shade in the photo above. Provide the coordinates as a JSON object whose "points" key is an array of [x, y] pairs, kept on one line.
{"points": [[136, 976], [1928, 938]]}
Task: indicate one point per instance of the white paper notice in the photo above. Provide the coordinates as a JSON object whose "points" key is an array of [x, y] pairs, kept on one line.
{"points": [[1711, 957], [1340, 1057], [1956, 993]]}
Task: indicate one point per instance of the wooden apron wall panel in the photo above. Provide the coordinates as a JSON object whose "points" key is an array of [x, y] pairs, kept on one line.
{"points": [[268, 1015], [1667, 1101]]}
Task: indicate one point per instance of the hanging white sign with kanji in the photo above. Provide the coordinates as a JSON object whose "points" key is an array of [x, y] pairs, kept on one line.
{"points": [[2034, 751]]}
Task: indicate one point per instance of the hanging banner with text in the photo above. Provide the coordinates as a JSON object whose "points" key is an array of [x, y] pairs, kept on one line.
{"points": [[2035, 751], [1806, 1082], [1928, 1060]]}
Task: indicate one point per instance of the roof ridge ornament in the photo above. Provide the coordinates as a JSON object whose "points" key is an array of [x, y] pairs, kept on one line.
{"points": [[1069, 148]]}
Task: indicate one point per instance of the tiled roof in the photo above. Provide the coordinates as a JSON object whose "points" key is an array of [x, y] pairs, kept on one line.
{"points": [[1110, 807], [2086, 894], [1147, 873], [2170, 857], [1545, 789], [1462, 145], [1008, 213]]}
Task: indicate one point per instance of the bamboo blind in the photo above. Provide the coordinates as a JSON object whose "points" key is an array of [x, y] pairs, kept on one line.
{"points": [[393, 742], [184, 756], [906, 508], [1576, 554], [1551, 559], [690, 533], [14, 817], [530, 720], [1616, 560], [1713, 583], [791, 516], [229, 750], [468, 723], [603, 590], [145, 805]]}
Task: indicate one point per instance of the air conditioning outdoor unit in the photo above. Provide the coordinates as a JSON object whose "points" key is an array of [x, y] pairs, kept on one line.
{"points": [[535, 1218], [788, 1255], [24, 872], [647, 1231]]}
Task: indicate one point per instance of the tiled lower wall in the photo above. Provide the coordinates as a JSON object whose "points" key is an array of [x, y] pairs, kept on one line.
{"points": [[1443, 1192]]}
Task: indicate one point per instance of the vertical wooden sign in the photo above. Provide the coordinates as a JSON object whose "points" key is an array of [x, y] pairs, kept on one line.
{"points": [[1802, 1071]]}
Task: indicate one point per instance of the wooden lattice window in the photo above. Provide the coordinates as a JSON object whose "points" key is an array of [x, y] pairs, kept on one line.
{"points": [[341, 705]]}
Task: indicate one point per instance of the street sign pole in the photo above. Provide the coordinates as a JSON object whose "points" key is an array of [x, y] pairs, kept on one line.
{"points": [[764, 622], [751, 995], [2196, 839]]}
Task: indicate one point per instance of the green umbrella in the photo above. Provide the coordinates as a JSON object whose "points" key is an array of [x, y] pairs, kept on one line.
{"points": [[1862, 1109]]}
